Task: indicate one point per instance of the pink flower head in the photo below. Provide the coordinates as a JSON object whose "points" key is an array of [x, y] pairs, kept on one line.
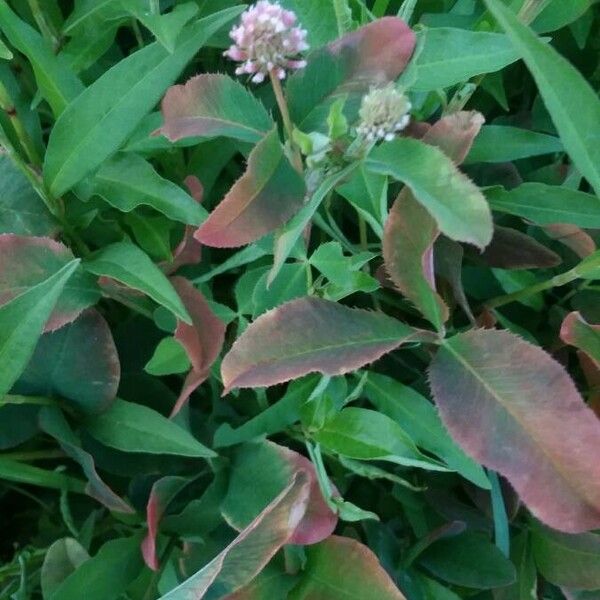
{"points": [[267, 40]]}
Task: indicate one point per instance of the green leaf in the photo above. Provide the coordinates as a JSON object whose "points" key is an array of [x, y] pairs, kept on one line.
{"points": [[571, 561], [127, 181], [166, 28], [369, 435], [342, 567], [131, 266], [451, 56], [498, 143], [22, 321], [132, 427], [53, 422], [307, 335], [558, 13], [21, 472], [572, 103], [106, 575], [420, 420], [169, 357], [457, 205], [212, 105], [547, 204], [93, 12], [525, 587], [62, 558], [5, 53], [469, 560], [102, 117], [57, 82], [22, 211], [288, 236], [78, 363], [317, 17]]}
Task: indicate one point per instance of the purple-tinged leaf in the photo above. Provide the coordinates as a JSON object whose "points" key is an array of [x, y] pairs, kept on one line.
{"points": [[308, 335], [573, 237], [259, 472], [342, 567], [78, 363], [211, 105], [512, 249], [411, 231], [409, 235], [370, 56], [252, 549], [162, 493], [505, 402], [265, 197], [576, 331], [26, 261], [202, 340], [53, 422]]}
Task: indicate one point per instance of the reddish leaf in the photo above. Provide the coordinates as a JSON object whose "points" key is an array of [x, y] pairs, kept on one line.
{"points": [[202, 340], [252, 549], [341, 567], [308, 335], [162, 493], [27, 261], [505, 402], [573, 237], [455, 133], [511, 249], [211, 105], [575, 331], [370, 56], [265, 197], [259, 472], [189, 250], [410, 231], [591, 371]]}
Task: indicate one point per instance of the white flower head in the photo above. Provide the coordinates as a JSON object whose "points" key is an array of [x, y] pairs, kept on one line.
{"points": [[383, 113], [267, 40]]}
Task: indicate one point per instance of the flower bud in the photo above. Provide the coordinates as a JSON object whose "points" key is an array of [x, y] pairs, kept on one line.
{"points": [[383, 113]]}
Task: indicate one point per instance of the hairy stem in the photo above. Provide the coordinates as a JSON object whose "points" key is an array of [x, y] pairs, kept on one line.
{"points": [[287, 121]]}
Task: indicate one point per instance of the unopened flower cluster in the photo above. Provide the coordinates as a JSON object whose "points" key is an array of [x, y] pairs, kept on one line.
{"points": [[384, 112], [267, 40]]}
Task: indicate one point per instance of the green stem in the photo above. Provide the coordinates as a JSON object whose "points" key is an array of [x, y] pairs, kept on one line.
{"points": [[287, 121], [407, 9], [137, 33], [155, 7], [34, 455], [42, 23], [343, 16], [362, 232], [7, 105], [531, 9]]}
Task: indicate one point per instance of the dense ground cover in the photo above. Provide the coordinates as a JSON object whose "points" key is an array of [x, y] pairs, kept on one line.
{"points": [[299, 300]]}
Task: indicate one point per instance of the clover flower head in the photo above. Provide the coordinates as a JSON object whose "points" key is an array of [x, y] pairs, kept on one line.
{"points": [[383, 113], [267, 41]]}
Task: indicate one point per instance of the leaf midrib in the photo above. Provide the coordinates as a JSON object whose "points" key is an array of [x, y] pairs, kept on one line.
{"points": [[514, 416]]}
